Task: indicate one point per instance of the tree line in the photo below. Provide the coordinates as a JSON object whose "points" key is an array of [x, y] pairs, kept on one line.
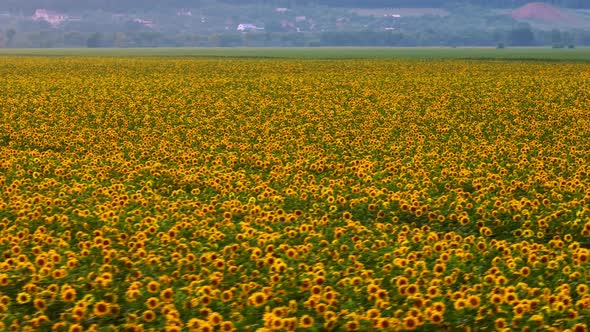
{"points": [[518, 36]]}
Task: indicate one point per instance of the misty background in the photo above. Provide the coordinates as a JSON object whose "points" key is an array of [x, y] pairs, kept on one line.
{"points": [[256, 23]]}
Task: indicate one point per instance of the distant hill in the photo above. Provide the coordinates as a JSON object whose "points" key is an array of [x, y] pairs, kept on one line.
{"points": [[540, 11], [122, 5], [541, 15], [418, 3]]}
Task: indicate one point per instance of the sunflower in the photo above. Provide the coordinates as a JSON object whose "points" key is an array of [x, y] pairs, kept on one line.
{"points": [[306, 321], [275, 278], [76, 328], [352, 325], [257, 299], [316, 290], [227, 326], [401, 281], [101, 308], [194, 324], [277, 323], [68, 294], [206, 328], [537, 320], [510, 297], [205, 300], [153, 287], [473, 301], [280, 311], [215, 318], [167, 294], [152, 302], [500, 323], [40, 304], [329, 296], [412, 289], [460, 304], [373, 313], [131, 295], [433, 291], [410, 323], [496, 299], [114, 309], [226, 296], [439, 307], [439, 269], [436, 317], [305, 284], [59, 273], [148, 315], [382, 323], [23, 298], [40, 261], [79, 312], [59, 326], [38, 321], [173, 328]]}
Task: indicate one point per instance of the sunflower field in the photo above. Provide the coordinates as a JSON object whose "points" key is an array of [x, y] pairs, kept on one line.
{"points": [[204, 194]]}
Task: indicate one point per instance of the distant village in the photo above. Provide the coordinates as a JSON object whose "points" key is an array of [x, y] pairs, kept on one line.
{"points": [[287, 23], [56, 18], [533, 24]]}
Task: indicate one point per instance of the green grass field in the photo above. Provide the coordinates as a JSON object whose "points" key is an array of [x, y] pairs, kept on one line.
{"points": [[521, 53]]}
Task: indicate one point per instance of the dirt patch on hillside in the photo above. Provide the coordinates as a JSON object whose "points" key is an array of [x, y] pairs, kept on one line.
{"points": [[541, 12]]}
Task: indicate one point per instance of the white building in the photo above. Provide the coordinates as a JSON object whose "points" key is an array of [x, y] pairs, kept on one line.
{"points": [[51, 17], [146, 23], [247, 27], [184, 12]]}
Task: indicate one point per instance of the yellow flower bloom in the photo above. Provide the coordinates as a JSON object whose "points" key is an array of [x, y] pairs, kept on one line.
{"points": [[23, 298]]}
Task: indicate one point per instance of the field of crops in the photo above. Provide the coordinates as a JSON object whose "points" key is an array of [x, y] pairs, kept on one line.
{"points": [[274, 194], [581, 54]]}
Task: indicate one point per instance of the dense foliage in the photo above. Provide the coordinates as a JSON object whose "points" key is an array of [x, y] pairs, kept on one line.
{"points": [[293, 194], [417, 3]]}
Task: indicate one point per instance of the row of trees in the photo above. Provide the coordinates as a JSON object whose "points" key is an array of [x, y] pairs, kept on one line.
{"points": [[520, 36], [7, 38], [415, 3]]}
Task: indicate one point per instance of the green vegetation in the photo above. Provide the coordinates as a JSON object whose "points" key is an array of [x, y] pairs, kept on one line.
{"points": [[520, 53], [279, 23]]}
